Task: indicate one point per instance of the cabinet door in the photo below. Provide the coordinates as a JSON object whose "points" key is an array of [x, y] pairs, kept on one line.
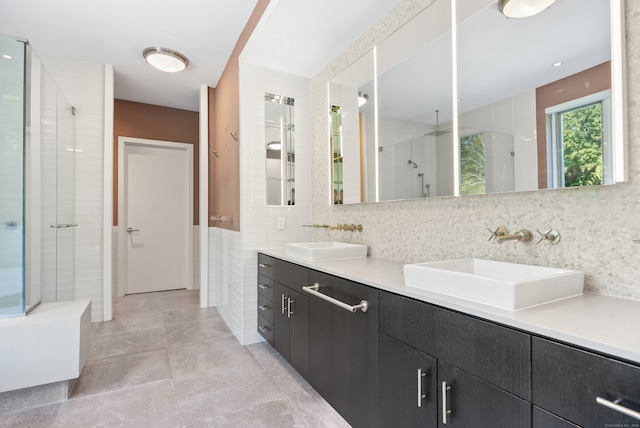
{"points": [[475, 403], [567, 381], [544, 419], [408, 377], [344, 349], [280, 320], [299, 333]]}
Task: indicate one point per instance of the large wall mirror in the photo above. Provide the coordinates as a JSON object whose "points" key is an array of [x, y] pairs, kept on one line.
{"points": [[279, 130], [539, 102]]}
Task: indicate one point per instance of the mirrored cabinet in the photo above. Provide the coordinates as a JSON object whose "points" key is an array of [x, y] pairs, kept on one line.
{"points": [[466, 100], [280, 155]]}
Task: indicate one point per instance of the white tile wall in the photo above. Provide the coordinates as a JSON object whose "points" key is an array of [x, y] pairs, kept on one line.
{"points": [[83, 85], [233, 255]]}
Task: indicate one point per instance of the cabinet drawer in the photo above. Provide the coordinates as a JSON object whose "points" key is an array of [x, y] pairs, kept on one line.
{"points": [[265, 265], [567, 381], [409, 321], [291, 275], [493, 353], [265, 287], [265, 308], [265, 328]]}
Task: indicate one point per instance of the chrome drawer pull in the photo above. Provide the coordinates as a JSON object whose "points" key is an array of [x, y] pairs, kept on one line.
{"points": [[263, 265], [618, 408], [313, 290], [421, 396], [263, 329], [282, 303], [262, 286], [289, 311], [445, 408], [263, 308]]}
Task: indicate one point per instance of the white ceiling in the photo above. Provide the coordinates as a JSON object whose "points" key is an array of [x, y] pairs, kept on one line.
{"points": [[299, 37]]}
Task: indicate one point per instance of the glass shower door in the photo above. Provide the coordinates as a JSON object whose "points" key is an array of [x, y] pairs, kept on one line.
{"points": [[12, 54]]}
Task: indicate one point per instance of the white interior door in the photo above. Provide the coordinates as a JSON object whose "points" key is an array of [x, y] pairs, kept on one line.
{"points": [[157, 213]]}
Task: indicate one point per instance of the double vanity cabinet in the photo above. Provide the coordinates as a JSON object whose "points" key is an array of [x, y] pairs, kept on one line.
{"points": [[405, 362]]}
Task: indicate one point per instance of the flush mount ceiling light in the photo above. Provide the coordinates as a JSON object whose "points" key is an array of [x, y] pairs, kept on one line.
{"points": [[523, 8], [362, 99], [164, 59]]}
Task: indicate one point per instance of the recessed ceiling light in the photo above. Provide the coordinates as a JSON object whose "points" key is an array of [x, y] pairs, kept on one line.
{"points": [[523, 8], [557, 64], [5, 56], [166, 60]]}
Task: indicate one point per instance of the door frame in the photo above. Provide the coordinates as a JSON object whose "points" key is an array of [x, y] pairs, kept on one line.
{"points": [[123, 142]]}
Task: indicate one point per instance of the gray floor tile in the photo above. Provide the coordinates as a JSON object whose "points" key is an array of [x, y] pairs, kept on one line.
{"points": [[128, 322], [197, 356], [149, 405], [200, 330], [316, 411], [123, 371], [39, 417], [111, 345], [179, 316]]}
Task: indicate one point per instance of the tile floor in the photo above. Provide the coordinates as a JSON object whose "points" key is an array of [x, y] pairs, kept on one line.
{"points": [[164, 362]]}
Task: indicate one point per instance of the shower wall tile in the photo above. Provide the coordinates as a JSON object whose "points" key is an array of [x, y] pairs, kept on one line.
{"points": [[598, 225], [83, 85]]}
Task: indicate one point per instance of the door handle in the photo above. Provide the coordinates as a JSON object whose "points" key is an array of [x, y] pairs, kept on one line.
{"points": [[131, 229]]}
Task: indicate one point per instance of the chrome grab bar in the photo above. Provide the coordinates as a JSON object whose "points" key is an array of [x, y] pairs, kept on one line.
{"points": [[618, 408], [313, 290]]}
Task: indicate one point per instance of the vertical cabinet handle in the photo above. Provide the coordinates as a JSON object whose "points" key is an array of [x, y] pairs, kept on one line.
{"points": [[445, 407], [282, 303], [421, 396], [289, 311]]}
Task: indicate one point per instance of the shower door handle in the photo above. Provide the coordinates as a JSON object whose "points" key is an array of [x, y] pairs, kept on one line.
{"points": [[131, 229]]}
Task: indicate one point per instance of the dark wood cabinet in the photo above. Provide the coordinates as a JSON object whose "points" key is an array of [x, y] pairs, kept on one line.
{"points": [[344, 349], [566, 382], [469, 402], [408, 363], [408, 394]]}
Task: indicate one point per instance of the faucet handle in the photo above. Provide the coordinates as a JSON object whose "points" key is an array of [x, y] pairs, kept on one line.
{"points": [[500, 231], [552, 236]]}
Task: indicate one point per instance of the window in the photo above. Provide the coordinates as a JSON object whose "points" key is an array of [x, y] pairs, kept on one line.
{"points": [[579, 142], [472, 165]]}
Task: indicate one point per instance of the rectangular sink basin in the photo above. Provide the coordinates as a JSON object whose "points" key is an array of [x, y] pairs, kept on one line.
{"points": [[317, 251], [510, 286]]}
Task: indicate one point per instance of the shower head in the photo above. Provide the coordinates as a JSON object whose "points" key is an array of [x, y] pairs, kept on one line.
{"points": [[415, 165], [437, 132]]}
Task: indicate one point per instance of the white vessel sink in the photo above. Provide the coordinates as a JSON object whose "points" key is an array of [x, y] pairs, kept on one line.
{"points": [[504, 285], [316, 251]]}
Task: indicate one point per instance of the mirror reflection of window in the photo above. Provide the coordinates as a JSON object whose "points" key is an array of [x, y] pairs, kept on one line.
{"points": [[580, 142], [472, 165], [280, 150]]}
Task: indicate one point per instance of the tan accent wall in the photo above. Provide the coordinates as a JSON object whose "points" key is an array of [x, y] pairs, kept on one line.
{"points": [[153, 122], [587, 82], [224, 170]]}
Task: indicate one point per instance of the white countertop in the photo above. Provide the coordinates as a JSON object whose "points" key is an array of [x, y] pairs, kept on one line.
{"points": [[610, 325]]}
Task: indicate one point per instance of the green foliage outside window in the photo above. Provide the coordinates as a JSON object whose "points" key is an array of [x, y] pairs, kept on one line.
{"points": [[582, 145], [472, 173]]}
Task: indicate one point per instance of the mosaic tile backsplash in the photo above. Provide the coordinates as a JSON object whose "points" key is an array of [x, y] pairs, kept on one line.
{"points": [[598, 225]]}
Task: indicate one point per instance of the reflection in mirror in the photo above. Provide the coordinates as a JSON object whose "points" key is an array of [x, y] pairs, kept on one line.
{"points": [[280, 149], [415, 154], [538, 97], [353, 145]]}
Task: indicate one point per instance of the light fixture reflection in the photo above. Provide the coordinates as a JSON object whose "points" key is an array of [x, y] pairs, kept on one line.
{"points": [[164, 59], [523, 8], [274, 145], [362, 99]]}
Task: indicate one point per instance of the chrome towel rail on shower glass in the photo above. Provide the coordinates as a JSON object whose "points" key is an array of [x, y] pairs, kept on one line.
{"points": [[313, 290]]}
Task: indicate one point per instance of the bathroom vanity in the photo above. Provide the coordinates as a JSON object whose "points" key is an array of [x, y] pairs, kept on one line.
{"points": [[417, 358]]}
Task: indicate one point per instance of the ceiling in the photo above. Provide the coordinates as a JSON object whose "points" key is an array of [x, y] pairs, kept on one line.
{"points": [[298, 37]]}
